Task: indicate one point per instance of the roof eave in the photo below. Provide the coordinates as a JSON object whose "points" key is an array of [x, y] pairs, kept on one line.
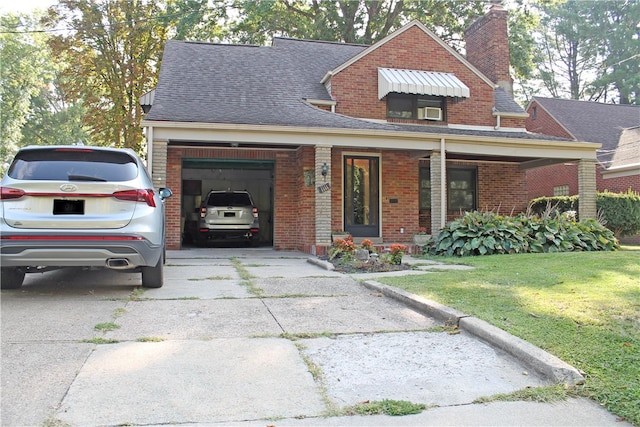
{"points": [[582, 150]]}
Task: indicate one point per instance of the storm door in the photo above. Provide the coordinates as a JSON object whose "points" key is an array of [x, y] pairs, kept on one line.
{"points": [[362, 196]]}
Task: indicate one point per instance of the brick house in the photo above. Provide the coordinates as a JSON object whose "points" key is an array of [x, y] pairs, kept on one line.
{"points": [[616, 127], [377, 140]]}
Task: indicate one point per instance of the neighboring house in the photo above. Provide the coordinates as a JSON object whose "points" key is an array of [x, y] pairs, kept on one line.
{"points": [[616, 127], [377, 140]]}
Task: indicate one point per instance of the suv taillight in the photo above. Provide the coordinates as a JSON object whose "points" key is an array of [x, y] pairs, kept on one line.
{"points": [[203, 212], [7, 193], [145, 196], [255, 212]]}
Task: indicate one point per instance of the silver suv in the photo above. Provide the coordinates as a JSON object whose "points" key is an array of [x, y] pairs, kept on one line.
{"points": [[80, 206], [228, 215]]}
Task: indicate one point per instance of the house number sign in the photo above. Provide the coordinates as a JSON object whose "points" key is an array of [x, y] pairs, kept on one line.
{"points": [[324, 187]]}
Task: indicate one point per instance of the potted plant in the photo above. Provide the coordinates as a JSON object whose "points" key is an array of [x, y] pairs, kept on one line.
{"points": [[420, 237]]}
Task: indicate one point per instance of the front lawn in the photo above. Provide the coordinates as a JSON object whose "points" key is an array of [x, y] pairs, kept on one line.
{"points": [[583, 307]]}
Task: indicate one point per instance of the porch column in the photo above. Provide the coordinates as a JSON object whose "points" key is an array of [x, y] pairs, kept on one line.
{"points": [[323, 195], [158, 167], [438, 176], [587, 189]]}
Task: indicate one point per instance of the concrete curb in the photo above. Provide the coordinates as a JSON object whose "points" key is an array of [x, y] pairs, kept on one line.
{"points": [[531, 356], [321, 263]]}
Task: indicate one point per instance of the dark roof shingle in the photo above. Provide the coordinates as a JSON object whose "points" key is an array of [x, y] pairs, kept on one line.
{"points": [[248, 84], [593, 121]]}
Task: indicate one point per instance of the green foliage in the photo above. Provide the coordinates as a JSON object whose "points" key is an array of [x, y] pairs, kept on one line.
{"points": [[590, 38], [621, 211], [386, 407], [349, 21], [24, 72], [111, 53], [488, 233], [543, 205]]}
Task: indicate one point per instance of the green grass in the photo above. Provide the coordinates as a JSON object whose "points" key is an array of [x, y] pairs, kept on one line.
{"points": [[106, 327], [582, 307], [386, 407]]}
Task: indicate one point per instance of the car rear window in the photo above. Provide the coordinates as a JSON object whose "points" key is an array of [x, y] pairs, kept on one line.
{"points": [[229, 199], [73, 165]]}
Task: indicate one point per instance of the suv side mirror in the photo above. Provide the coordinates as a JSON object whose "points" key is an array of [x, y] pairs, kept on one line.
{"points": [[165, 193]]}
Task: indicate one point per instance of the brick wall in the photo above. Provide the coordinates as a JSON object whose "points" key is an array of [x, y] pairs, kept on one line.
{"points": [[501, 188], [487, 45], [540, 181], [620, 184], [539, 121], [356, 87], [399, 181]]}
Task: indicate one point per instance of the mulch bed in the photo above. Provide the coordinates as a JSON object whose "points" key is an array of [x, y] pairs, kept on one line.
{"points": [[365, 267]]}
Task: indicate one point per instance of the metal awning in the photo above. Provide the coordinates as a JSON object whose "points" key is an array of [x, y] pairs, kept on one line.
{"points": [[420, 83]]}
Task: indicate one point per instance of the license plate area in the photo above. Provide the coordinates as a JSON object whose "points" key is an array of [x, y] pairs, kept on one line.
{"points": [[229, 214], [68, 207]]}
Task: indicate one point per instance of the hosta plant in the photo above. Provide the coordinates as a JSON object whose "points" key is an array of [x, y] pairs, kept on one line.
{"points": [[487, 233]]}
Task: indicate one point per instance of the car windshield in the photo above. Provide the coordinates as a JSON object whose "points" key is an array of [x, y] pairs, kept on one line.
{"points": [[73, 165], [229, 199]]}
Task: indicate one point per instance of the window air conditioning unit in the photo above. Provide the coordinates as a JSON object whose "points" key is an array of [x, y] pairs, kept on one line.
{"points": [[429, 113]]}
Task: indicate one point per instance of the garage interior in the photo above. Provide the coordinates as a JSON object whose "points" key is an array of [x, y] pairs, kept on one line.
{"points": [[199, 176]]}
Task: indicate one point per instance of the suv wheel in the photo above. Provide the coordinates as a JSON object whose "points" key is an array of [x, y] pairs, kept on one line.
{"points": [[153, 277], [11, 277]]}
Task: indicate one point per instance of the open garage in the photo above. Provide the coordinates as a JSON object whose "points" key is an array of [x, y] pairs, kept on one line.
{"points": [[199, 176]]}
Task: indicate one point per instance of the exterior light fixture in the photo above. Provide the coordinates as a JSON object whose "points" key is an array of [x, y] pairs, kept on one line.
{"points": [[325, 170]]}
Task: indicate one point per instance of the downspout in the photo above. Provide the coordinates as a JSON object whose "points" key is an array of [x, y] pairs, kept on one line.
{"points": [[497, 126], [443, 184], [150, 150]]}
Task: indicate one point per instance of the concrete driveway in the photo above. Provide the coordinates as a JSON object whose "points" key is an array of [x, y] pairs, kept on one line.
{"points": [[247, 337]]}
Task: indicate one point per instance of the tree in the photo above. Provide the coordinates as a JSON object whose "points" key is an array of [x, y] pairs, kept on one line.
{"points": [[568, 55], [112, 50], [620, 48], [23, 74], [348, 21], [590, 49]]}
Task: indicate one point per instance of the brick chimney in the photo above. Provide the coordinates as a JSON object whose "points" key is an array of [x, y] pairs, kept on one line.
{"points": [[488, 46]]}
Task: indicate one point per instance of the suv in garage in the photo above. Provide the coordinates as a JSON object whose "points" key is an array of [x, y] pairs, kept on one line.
{"points": [[80, 206], [228, 215]]}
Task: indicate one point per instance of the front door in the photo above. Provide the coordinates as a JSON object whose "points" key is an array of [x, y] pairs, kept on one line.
{"points": [[362, 196]]}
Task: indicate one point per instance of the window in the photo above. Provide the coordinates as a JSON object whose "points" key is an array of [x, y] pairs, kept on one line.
{"points": [[561, 190], [425, 188], [73, 164], [416, 107], [462, 189]]}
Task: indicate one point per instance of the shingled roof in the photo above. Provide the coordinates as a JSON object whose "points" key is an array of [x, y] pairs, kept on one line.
{"points": [[269, 85], [593, 122]]}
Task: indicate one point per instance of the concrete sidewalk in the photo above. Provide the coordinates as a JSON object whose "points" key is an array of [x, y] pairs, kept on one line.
{"points": [[249, 337]]}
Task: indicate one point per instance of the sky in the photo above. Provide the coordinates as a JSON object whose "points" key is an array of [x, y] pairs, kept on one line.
{"points": [[24, 6]]}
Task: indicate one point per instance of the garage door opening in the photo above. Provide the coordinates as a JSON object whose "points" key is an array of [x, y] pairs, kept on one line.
{"points": [[199, 176]]}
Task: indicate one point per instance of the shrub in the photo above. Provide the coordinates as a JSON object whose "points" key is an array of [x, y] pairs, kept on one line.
{"points": [[488, 233], [542, 205], [620, 212]]}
